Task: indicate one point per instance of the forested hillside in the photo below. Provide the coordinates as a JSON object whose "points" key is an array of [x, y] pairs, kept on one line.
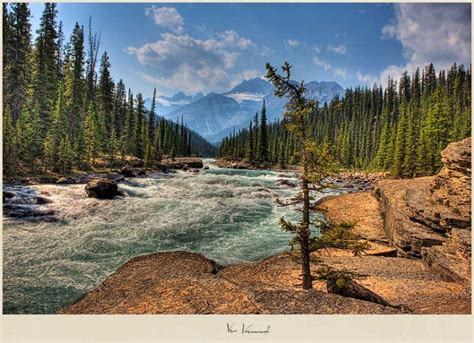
{"points": [[401, 128], [60, 114]]}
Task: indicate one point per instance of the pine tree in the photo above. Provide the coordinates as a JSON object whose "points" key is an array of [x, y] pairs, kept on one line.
{"points": [[282, 157], [10, 156], [251, 144], [106, 98], [18, 71], [120, 118], [150, 142], [140, 128], [46, 78], [57, 134], [298, 109], [7, 49], [74, 82], [93, 41], [262, 151], [29, 144], [92, 134]]}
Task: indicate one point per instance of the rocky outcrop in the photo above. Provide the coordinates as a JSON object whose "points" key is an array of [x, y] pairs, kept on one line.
{"points": [[401, 202], [452, 260], [362, 210], [440, 283], [102, 189], [452, 187], [408, 282], [189, 283], [419, 213]]}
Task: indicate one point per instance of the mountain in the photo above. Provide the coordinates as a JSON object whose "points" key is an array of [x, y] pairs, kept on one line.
{"points": [[250, 90], [253, 86], [215, 115], [165, 104]]}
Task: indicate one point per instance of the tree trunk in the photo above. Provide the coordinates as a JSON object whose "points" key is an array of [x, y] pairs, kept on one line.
{"points": [[352, 289], [304, 236]]}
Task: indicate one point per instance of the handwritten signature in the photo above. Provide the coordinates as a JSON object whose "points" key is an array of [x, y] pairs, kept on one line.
{"points": [[246, 329]]}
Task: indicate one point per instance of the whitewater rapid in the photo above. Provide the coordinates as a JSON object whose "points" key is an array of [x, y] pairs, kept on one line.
{"points": [[228, 215]]}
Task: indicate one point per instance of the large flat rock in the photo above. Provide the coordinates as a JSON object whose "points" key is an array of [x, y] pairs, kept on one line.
{"points": [[167, 283], [187, 283]]}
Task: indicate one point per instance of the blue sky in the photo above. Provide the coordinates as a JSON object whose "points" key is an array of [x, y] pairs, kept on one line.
{"points": [[212, 47]]}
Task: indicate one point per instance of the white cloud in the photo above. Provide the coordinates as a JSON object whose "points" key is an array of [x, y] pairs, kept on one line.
{"points": [[182, 62], [293, 43], [172, 50], [167, 17], [341, 49], [190, 80], [366, 79], [321, 63], [230, 38], [341, 72], [438, 33]]}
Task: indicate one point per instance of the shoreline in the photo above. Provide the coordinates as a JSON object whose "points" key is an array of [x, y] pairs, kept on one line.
{"points": [[129, 169], [410, 263]]}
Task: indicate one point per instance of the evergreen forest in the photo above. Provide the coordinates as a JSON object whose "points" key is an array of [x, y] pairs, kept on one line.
{"points": [[63, 111], [401, 128]]}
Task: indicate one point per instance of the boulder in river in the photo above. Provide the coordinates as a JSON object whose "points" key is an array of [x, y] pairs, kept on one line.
{"points": [[7, 195], [128, 171], [182, 163], [102, 189]]}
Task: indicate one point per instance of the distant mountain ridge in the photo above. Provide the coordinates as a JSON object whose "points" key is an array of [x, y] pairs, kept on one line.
{"points": [[215, 115]]}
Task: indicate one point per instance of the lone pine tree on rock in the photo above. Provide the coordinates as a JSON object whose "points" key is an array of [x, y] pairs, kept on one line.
{"points": [[314, 159]]}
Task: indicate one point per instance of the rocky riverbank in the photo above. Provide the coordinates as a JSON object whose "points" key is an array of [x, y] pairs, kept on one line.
{"points": [[358, 180], [133, 168], [420, 257]]}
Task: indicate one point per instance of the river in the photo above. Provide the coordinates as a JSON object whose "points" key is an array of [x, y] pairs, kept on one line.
{"points": [[228, 215]]}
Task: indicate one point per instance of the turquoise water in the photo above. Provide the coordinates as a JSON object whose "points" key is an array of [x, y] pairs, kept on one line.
{"points": [[228, 215]]}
